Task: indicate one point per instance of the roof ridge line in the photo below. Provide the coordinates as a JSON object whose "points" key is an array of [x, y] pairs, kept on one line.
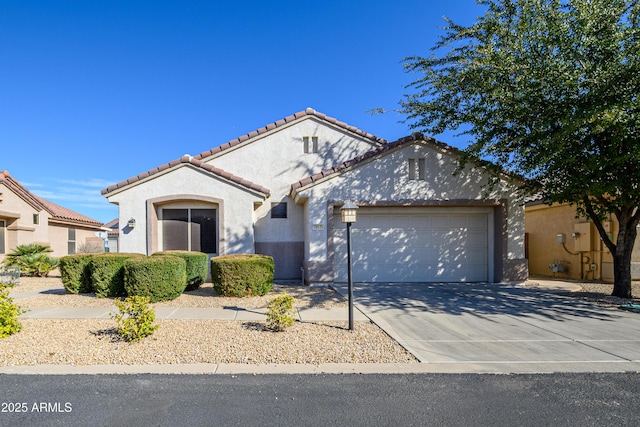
{"points": [[194, 161], [285, 121]]}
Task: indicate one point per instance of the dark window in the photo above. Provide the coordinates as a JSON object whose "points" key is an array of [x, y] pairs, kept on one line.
{"points": [[279, 210], [203, 230], [175, 229], [36, 219], [190, 229], [2, 225], [71, 244]]}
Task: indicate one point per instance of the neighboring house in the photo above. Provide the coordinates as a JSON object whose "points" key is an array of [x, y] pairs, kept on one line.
{"points": [[26, 218], [278, 191], [560, 244], [112, 235]]}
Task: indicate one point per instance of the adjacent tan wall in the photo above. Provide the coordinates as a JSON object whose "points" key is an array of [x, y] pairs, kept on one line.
{"points": [[542, 225]]}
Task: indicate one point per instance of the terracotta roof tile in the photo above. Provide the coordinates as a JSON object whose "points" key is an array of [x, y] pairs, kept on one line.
{"points": [[309, 112], [349, 163], [387, 147], [196, 163], [56, 211]]}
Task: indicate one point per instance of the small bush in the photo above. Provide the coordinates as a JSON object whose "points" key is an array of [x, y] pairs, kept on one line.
{"points": [[135, 318], [107, 273], [160, 278], [32, 260], [75, 271], [9, 314], [242, 275], [280, 313], [197, 267], [90, 248]]}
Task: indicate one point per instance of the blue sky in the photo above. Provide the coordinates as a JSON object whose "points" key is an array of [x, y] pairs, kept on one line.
{"points": [[94, 92]]}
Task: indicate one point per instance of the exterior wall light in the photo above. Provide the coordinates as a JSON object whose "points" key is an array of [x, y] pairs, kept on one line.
{"points": [[349, 216], [131, 223]]}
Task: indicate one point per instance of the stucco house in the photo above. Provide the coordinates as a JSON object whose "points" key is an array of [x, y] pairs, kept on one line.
{"points": [[278, 191], [26, 218], [560, 244]]}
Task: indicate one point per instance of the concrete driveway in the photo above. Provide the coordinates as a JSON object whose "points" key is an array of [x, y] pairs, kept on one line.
{"points": [[501, 328]]}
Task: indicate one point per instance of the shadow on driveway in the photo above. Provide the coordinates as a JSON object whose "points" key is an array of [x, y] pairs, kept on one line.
{"points": [[478, 299]]}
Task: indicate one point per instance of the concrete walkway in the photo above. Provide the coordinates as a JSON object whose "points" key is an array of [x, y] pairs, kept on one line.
{"points": [[224, 313], [459, 328]]}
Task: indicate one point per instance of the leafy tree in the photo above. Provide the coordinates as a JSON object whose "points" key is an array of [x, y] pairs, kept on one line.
{"points": [[548, 89]]}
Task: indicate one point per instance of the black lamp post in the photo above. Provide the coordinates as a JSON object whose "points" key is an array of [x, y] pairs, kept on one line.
{"points": [[348, 212]]}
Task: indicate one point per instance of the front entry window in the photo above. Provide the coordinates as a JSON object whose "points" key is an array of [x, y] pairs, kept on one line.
{"points": [[2, 226], [189, 229]]}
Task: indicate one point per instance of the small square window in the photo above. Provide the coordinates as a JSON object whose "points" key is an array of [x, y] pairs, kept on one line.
{"points": [[279, 210], [417, 169], [310, 144], [412, 168], [36, 219]]}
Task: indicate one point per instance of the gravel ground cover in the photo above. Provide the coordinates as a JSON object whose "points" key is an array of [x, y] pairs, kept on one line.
{"points": [[600, 293], [94, 341]]}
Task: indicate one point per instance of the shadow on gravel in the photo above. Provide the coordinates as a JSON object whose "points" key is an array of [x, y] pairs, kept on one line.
{"points": [[110, 334], [479, 299]]}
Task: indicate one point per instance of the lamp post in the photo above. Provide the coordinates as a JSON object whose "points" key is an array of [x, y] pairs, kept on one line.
{"points": [[348, 212]]}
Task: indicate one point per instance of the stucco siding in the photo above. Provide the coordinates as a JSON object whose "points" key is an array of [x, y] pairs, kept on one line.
{"points": [[385, 182], [186, 183]]}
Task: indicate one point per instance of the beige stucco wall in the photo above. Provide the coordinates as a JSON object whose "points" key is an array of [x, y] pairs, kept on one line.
{"points": [[276, 160], [21, 230], [18, 216], [386, 182], [186, 183], [543, 223]]}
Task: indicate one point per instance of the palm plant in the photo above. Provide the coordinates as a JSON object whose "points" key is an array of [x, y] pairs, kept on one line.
{"points": [[32, 259]]}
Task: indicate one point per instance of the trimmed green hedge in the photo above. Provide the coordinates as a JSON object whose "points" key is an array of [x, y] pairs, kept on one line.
{"points": [[75, 271], [242, 275], [197, 267], [160, 278], [107, 273]]}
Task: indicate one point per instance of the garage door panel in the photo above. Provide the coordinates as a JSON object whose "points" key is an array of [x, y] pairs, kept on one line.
{"points": [[425, 247]]}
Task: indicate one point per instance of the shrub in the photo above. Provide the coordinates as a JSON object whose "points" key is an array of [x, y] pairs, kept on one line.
{"points": [[90, 248], [9, 314], [161, 278], [107, 273], [280, 313], [75, 271], [242, 275], [197, 267], [32, 259], [135, 318]]}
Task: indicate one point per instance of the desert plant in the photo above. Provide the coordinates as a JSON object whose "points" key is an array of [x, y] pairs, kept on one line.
{"points": [[135, 318], [197, 267], [89, 248], [75, 272], [160, 278], [242, 275], [32, 259], [9, 314], [280, 314]]}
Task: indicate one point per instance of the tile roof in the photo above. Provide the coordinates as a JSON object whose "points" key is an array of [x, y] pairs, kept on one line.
{"points": [[187, 159], [309, 112], [56, 211], [416, 136], [359, 159]]}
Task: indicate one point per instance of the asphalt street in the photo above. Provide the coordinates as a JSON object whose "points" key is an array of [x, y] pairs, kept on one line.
{"points": [[594, 399]]}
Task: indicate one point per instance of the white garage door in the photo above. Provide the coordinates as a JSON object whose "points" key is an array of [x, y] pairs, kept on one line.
{"points": [[415, 245]]}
